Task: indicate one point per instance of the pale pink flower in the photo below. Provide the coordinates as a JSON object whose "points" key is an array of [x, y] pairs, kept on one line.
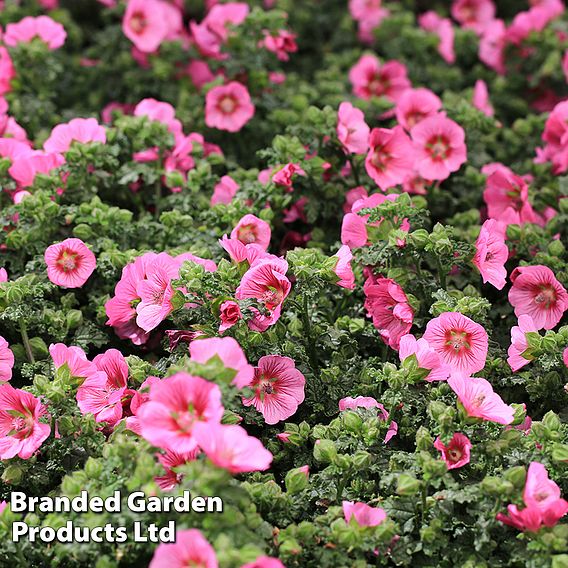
{"points": [[69, 263], [190, 549], [231, 448], [442, 27], [481, 98], [427, 358], [363, 514], [230, 314], [479, 399], [391, 156], [176, 405], [72, 360], [492, 46], [387, 304], [47, 30], [415, 105], [170, 461], [228, 107], [369, 14], [533, 20], [537, 293], [3, 275], [461, 343], [457, 452], [370, 78], [542, 497], [82, 130], [352, 196], [25, 167], [491, 254], [281, 44], [101, 394], [474, 14], [343, 268], [165, 113], [229, 352], [252, 230], [440, 147], [147, 23], [555, 135], [360, 402], [565, 356], [6, 360], [21, 432], [352, 130], [224, 191], [519, 344], [284, 176], [7, 71], [278, 388], [264, 562]]}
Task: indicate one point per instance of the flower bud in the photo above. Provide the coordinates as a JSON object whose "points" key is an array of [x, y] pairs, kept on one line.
{"points": [[407, 485], [297, 479], [352, 422], [325, 451]]}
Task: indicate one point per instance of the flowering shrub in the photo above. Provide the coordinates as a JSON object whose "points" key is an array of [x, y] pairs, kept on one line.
{"points": [[304, 256]]}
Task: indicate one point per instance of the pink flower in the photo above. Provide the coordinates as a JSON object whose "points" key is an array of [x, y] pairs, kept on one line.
{"points": [[442, 27], [481, 98], [224, 191], [3, 275], [21, 433], [427, 358], [544, 504], [352, 130], [230, 314], [474, 14], [82, 130], [440, 147], [391, 156], [43, 27], [69, 263], [491, 254], [252, 230], [492, 46], [7, 71], [72, 360], [147, 23], [415, 105], [479, 399], [456, 453], [170, 461], [101, 394], [356, 230], [156, 292], [460, 342], [343, 268], [165, 113], [533, 20], [228, 107], [360, 402], [231, 448], [519, 344], [555, 136], [175, 407], [370, 78], [369, 14], [283, 43], [387, 304], [278, 388], [26, 166], [190, 549], [363, 515], [6, 360], [537, 293], [503, 190], [284, 176], [229, 352], [565, 356]]}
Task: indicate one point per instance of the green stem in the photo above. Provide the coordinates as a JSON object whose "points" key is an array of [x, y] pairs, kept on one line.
{"points": [[441, 273], [26, 341], [354, 169], [157, 198], [308, 329]]}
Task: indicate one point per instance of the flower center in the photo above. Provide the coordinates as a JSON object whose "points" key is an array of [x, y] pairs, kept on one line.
{"points": [[414, 117], [68, 261], [138, 22], [227, 105], [378, 85], [454, 455], [458, 341], [272, 297], [438, 147], [545, 297], [478, 400], [185, 421], [380, 158], [247, 234]]}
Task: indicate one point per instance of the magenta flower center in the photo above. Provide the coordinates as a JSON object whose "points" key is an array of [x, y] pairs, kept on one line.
{"points": [[20, 427], [438, 147], [478, 400], [414, 117], [138, 22], [454, 455], [185, 420], [378, 85], [380, 158], [458, 341], [227, 104], [68, 261], [545, 296], [272, 297]]}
